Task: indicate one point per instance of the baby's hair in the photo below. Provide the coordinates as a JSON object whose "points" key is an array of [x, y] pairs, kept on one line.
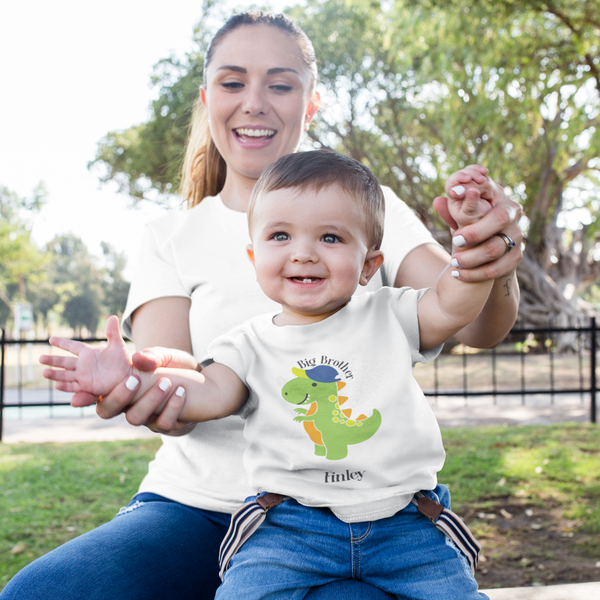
{"points": [[319, 169]]}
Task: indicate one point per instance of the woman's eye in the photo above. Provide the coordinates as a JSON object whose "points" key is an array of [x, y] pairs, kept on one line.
{"points": [[280, 236], [329, 238], [232, 85], [282, 88]]}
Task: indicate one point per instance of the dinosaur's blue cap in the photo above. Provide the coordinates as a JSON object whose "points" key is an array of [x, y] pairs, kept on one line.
{"points": [[323, 374]]}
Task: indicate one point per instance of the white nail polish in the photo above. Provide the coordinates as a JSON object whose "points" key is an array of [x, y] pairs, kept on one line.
{"points": [[131, 383], [455, 274], [164, 385], [454, 263], [179, 391], [459, 241], [459, 190]]}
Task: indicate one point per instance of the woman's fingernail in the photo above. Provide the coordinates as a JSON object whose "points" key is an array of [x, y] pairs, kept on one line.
{"points": [[164, 385], [131, 383], [454, 263], [459, 190], [455, 274], [459, 241], [179, 391]]}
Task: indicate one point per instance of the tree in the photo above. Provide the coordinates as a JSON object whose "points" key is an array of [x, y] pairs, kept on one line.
{"points": [[418, 90], [20, 261], [116, 288], [79, 283]]}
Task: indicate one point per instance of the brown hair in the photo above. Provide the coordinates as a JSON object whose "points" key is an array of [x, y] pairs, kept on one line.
{"points": [[204, 169], [319, 169]]}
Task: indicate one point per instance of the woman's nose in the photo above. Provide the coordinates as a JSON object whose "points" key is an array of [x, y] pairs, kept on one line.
{"points": [[255, 101]]}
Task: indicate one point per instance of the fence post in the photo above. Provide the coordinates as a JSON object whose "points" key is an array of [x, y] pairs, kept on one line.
{"points": [[593, 350], [2, 340]]}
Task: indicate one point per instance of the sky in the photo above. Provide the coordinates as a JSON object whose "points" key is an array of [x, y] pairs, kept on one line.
{"points": [[71, 71]]}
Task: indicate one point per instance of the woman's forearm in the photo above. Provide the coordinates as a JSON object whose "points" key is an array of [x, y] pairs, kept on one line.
{"points": [[497, 317]]}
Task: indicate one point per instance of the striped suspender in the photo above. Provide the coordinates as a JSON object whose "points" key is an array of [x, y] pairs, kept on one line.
{"points": [[248, 518], [451, 525], [244, 522]]}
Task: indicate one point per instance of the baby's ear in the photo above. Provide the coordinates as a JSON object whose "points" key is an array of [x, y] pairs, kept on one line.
{"points": [[373, 261], [250, 253]]}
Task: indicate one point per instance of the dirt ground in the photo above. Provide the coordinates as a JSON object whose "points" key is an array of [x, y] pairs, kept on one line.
{"points": [[525, 545]]}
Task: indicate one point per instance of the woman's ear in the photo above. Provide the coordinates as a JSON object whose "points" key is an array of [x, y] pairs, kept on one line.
{"points": [[203, 94], [250, 253], [311, 109], [373, 261]]}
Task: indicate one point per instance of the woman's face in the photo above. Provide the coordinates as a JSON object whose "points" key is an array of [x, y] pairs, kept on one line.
{"points": [[257, 93]]}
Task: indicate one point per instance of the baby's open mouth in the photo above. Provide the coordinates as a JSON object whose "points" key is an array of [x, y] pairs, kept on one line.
{"points": [[243, 132], [306, 279]]}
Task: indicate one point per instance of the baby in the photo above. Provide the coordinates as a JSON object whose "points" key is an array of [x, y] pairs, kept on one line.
{"points": [[343, 448]]}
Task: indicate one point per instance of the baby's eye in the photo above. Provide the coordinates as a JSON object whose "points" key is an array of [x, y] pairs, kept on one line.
{"points": [[280, 236], [329, 238]]}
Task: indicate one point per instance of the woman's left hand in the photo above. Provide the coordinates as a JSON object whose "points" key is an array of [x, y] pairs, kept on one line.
{"points": [[481, 253]]}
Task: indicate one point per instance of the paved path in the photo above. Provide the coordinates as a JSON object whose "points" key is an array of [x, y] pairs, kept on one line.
{"points": [[32, 424], [572, 591]]}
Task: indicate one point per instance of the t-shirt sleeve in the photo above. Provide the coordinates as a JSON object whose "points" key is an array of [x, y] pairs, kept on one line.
{"points": [[404, 305], [156, 275], [403, 232]]}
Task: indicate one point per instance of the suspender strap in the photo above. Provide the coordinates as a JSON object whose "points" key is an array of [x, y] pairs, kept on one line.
{"points": [[243, 524], [451, 525]]}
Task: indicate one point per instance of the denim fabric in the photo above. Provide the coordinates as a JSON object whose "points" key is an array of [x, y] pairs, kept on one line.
{"points": [[297, 548], [156, 549]]}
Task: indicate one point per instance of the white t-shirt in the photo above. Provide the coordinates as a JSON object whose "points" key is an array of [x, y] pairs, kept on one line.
{"points": [[334, 416], [201, 254]]}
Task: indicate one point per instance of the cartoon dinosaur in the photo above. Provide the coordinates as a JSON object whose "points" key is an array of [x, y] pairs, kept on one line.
{"points": [[326, 423]]}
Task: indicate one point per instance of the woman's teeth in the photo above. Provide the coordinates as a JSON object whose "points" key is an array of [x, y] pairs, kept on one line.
{"points": [[255, 132]]}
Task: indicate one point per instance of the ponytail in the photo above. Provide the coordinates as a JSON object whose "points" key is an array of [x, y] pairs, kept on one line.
{"points": [[204, 170]]}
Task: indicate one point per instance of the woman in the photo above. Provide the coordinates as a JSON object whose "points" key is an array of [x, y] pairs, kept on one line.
{"points": [[193, 284]]}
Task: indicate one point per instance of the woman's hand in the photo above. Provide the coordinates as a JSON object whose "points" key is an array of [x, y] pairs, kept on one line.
{"points": [[479, 252], [159, 408]]}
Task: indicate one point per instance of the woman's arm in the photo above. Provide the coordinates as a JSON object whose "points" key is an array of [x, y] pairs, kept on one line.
{"points": [[163, 322]]}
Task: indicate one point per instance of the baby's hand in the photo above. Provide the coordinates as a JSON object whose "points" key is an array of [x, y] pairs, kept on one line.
{"points": [[93, 370], [470, 208]]}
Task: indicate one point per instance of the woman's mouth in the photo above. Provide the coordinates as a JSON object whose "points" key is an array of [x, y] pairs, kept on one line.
{"points": [[244, 134]]}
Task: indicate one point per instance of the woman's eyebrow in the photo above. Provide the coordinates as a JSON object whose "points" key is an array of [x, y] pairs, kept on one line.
{"points": [[273, 71]]}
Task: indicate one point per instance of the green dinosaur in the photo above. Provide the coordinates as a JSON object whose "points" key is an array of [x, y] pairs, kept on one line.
{"points": [[327, 424]]}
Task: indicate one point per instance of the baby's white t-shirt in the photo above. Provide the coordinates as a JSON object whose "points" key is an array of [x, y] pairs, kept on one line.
{"points": [[335, 417]]}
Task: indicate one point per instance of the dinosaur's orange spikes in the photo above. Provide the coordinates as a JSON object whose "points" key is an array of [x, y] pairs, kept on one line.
{"points": [[347, 412], [340, 385], [361, 417], [342, 399]]}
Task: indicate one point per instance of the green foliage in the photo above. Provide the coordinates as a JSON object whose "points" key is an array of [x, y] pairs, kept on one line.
{"points": [[20, 261]]}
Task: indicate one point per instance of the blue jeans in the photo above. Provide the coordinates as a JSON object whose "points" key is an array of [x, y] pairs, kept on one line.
{"points": [[155, 549], [297, 548]]}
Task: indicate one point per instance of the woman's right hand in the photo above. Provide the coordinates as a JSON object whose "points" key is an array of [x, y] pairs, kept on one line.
{"points": [[158, 409]]}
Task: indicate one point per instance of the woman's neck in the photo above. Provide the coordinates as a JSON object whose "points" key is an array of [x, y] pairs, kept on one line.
{"points": [[236, 193]]}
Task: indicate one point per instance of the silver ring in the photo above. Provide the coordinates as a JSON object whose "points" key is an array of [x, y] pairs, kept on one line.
{"points": [[510, 244]]}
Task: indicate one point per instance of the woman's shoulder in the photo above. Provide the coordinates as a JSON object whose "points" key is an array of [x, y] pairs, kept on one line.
{"points": [[182, 217]]}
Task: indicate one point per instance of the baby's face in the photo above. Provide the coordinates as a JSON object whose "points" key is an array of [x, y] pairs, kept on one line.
{"points": [[310, 251]]}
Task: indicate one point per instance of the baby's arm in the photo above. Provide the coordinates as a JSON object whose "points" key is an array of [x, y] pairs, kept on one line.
{"points": [[453, 304], [215, 393]]}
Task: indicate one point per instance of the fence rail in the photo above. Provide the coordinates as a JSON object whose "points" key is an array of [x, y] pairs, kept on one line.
{"points": [[581, 367]]}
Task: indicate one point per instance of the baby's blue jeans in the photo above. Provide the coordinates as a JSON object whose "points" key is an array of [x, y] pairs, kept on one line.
{"points": [[156, 549], [297, 548]]}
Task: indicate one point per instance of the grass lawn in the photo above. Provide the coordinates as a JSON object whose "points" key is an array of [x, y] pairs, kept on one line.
{"points": [[530, 494]]}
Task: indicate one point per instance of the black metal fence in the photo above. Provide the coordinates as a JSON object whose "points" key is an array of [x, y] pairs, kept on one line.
{"points": [[526, 364]]}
